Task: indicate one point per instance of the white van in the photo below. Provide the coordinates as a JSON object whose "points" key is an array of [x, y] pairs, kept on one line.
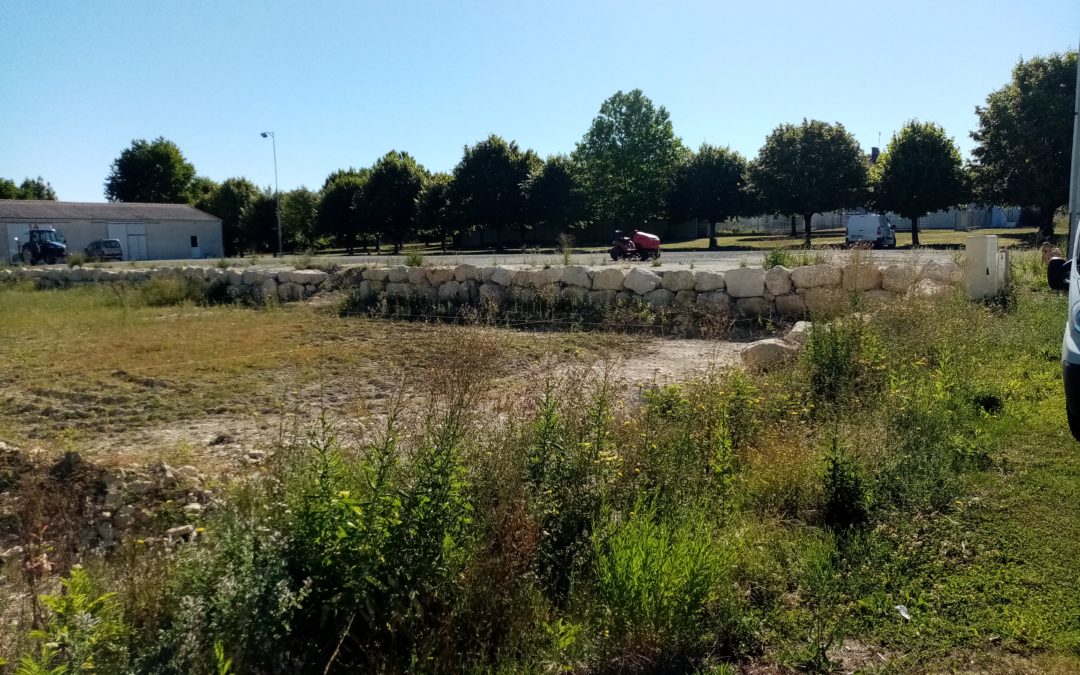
{"points": [[870, 228]]}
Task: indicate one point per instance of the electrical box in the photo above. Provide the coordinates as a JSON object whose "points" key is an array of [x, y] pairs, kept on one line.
{"points": [[986, 270]]}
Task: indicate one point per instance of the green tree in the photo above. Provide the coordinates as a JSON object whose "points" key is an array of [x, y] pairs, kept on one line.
{"points": [[436, 217], [920, 172], [9, 190], [555, 198], [1024, 140], [201, 191], [298, 210], [810, 168], [488, 187], [392, 194], [259, 222], [627, 161], [342, 210], [713, 186], [37, 188], [230, 202], [150, 171]]}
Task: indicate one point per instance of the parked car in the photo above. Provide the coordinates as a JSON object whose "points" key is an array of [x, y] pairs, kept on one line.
{"points": [[104, 249], [870, 228]]}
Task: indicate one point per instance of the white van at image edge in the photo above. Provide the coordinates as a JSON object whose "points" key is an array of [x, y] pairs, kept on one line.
{"points": [[870, 228]]}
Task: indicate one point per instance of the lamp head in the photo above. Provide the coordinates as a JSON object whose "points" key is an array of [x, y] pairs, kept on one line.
{"points": [[264, 134]]}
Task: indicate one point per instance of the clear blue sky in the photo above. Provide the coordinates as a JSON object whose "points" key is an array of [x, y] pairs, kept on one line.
{"points": [[343, 82]]}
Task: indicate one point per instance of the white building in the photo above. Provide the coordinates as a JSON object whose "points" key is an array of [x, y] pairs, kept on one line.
{"points": [[145, 231]]}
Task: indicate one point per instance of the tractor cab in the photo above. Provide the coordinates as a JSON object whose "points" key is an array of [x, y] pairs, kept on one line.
{"points": [[44, 244]]}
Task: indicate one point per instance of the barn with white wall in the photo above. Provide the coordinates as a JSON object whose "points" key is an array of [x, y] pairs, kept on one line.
{"points": [[145, 231]]}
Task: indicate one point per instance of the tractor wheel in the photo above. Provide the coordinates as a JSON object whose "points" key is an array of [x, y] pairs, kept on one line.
{"points": [[614, 253], [50, 259]]}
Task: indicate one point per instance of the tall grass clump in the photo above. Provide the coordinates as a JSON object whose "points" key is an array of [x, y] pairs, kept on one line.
{"points": [[414, 259], [161, 291]]}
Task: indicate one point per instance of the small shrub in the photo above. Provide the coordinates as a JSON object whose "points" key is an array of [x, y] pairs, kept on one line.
{"points": [[843, 360], [76, 259], [223, 263], [414, 259], [162, 291], [566, 247], [846, 501]]}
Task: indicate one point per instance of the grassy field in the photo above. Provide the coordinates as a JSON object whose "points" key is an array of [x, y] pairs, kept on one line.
{"points": [[900, 499]]}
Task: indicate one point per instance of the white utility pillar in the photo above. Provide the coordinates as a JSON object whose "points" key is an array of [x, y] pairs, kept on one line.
{"points": [[986, 270]]}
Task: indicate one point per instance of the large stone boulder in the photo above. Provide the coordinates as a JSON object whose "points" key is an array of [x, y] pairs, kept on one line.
{"points": [[768, 353], [714, 302], [608, 279], [574, 296], [816, 276], [685, 298], [756, 306], [930, 287], [798, 333], [745, 282], [576, 275], [709, 281], [502, 276], [417, 276], [268, 290], [941, 271], [376, 274], [861, 277], [466, 273], [253, 277], [449, 291], [290, 292], [679, 280], [898, 278], [493, 293], [305, 277], [439, 275], [778, 280], [790, 305], [641, 281], [398, 274], [659, 298]]}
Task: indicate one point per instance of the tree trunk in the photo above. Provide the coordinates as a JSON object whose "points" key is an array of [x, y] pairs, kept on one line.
{"points": [[712, 236], [807, 218], [1046, 224], [378, 245], [914, 231], [794, 232]]}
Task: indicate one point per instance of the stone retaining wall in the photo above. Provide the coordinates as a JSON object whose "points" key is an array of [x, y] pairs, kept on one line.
{"points": [[743, 292], [233, 283]]}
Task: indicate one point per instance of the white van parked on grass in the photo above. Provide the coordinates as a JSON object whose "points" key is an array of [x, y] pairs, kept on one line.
{"points": [[870, 228]]}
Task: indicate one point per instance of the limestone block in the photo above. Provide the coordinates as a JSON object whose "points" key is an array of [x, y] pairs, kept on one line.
{"points": [[798, 333], [714, 301], [305, 277], [417, 275], [753, 306], [466, 273], [364, 292], [253, 277], [823, 300], [641, 281], [399, 290], [659, 298], [861, 277], [268, 289], [816, 276], [679, 280], [377, 274], [685, 298], [398, 274], [790, 305], [602, 298], [765, 354], [576, 275], [502, 276], [745, 282], [608, 279], [522, 295], [930, 287], [234, 277], [439, 275], [574, 296], [941, 271], [778, 280], [493, 293], [485, 274], [450, 291], [709, 281], [290, 292], [898, 278], [469, 291]]}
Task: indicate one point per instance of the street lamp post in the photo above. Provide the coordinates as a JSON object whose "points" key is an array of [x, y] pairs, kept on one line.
{"points": [[277, 193]]}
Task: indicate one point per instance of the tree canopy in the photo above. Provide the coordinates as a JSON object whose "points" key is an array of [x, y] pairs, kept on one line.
{"points": [[489, 185], [555, 198], [436, 217], [810, 168], [627, 161], [231, 202], [150, 171], [298, 211], [342, 210], [1024, 140], [713, 185], [920, 172], [392, 194], [30, 188]]}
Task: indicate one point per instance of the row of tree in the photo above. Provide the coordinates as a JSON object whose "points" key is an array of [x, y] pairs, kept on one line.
{"points": [[631, 170], [30, 188]]}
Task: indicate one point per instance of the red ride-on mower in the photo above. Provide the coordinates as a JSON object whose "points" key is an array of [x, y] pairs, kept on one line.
{"points": [[639, 245]]}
